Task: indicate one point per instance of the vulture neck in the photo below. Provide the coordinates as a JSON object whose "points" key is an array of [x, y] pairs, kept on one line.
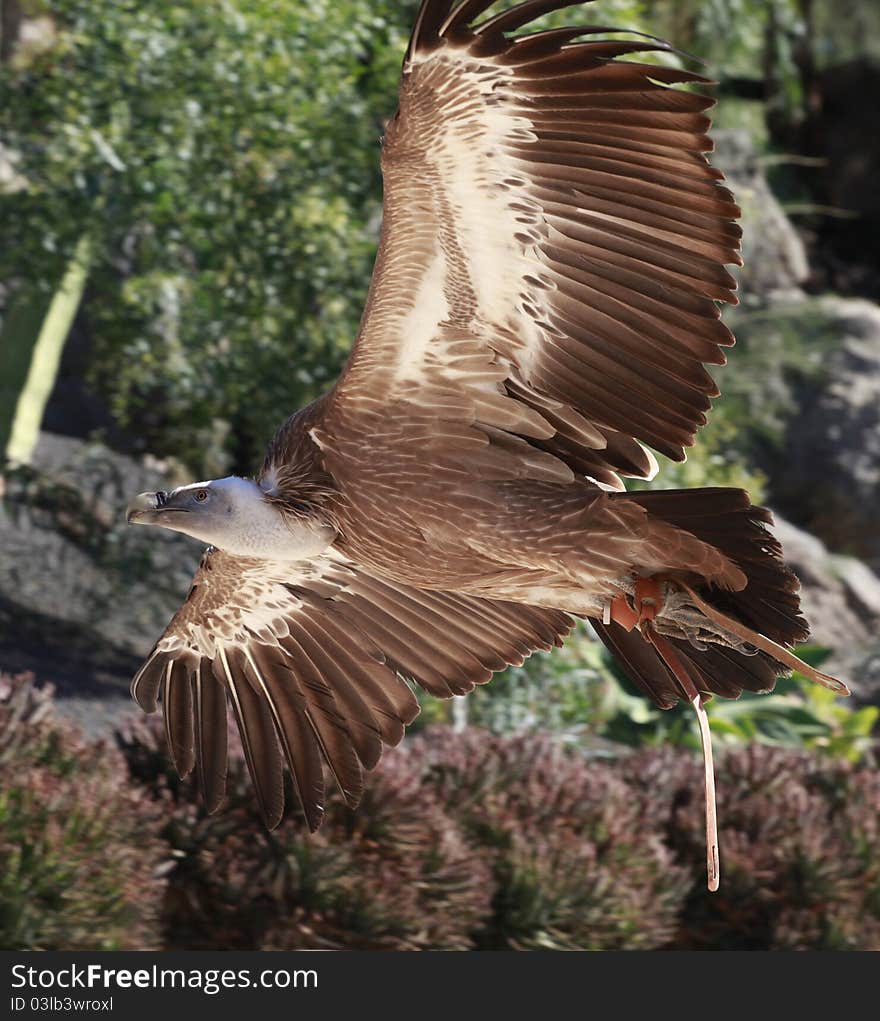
{"points": [[257, 527]]}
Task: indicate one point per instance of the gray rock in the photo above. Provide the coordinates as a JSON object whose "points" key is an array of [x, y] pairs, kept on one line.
{"points": [[775, 260], [829, 475], [841, 599], [860, 668], [840, 595], [83, 596]]}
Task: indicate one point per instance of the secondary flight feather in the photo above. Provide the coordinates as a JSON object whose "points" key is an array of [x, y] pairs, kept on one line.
{"points": [[542, 312]]}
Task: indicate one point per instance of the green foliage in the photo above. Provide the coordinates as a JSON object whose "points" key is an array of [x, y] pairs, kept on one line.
{"points": [[223, 159], [770, 41], [580, 694], [849, 30], [719, 458], [563, 691], [843, 733], [81, 858], [798, 714]]}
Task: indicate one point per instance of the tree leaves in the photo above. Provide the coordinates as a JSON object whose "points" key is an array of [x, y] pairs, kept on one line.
{"points": [[224, 159]]}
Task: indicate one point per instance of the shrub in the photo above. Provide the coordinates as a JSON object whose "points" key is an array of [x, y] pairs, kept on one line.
{"points": [[81, 864], [574, 864], [798, 834], [397, 875], [517, 843], [470, 840]]}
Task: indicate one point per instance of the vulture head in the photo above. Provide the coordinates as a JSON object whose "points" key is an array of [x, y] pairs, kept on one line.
{"points": [[234, 515]]}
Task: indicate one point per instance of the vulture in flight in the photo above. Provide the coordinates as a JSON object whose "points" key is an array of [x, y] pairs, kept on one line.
{"points": [[542, 309]]}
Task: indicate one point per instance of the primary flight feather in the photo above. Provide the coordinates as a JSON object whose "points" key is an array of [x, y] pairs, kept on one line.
{"points": [[543, 305]]}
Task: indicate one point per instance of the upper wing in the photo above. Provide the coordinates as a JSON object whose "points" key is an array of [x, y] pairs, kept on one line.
{"points": [[553, 245], [311, 657]]}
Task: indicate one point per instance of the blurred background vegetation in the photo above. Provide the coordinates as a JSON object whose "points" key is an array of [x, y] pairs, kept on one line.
{"points": [[190, 202]]}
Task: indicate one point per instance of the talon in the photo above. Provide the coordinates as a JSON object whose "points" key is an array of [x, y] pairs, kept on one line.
{"points": [[649, 598], [648, 601]]}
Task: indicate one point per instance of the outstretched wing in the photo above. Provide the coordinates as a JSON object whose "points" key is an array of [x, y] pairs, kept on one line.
{"points": [[313, 659], [553, 246]]}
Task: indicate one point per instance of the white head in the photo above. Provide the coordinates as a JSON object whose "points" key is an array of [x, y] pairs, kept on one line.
{"points": [[234, 515]]}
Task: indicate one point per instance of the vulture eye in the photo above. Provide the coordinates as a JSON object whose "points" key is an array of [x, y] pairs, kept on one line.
{"points": [[201, 495]]}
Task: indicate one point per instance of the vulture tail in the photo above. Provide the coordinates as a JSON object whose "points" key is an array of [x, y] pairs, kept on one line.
{"points": [[682, 638], [730, 641]]}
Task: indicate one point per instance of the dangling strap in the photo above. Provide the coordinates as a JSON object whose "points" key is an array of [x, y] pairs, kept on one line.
{"points": [[670, 658], [713, 855], [778, 652]]}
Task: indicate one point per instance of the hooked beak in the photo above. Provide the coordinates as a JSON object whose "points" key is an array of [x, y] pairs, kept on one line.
{"points": [[144, 507]]}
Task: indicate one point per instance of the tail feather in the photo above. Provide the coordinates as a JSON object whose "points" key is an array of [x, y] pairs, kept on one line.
{"points": [[640, 661], [726, 519], [769, 604], [716, 670]]}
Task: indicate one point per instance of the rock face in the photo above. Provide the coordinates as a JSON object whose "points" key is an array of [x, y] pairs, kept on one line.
{"points": [[860, 668], [840, 595], [774, 255], [807, 376], [82, 596], [829, 476], [841, 599]]}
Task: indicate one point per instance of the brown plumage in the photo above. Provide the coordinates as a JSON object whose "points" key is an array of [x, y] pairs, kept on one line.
{"points": [[542, 310]]}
